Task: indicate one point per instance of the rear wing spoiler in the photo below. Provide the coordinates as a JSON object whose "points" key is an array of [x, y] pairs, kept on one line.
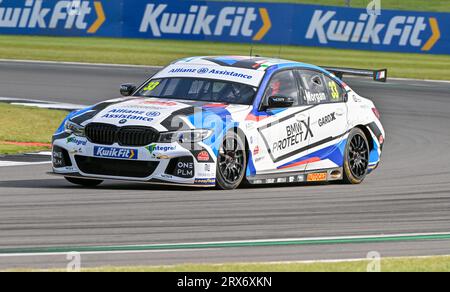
{"points": [[377, 75]]}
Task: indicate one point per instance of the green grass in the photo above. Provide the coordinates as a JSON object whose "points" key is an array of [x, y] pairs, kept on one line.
{"points": [[431, 264], [25, 124], [415, 5], [12, 149], [162, 52]]}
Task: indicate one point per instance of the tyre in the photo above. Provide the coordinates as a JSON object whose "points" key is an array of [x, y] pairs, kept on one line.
{"points": [[84, 182], [356, 158], [231, 162]]}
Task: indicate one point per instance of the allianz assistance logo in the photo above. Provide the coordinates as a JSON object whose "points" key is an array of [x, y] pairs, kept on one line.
{"points": [[229, 21], [36, 14], [399, 31]]}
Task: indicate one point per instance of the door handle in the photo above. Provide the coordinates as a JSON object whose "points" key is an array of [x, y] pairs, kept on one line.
{"points": [[340, 112], [301, 117]]}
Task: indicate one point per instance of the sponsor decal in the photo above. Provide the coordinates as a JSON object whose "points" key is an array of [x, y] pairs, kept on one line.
{"points": [[183, 70], [203, 71], [160, 103], [162, 156], [58, 158], [256, 151], [399, 31], [213, 71], [66, 15], [327, 119], [204, 170], [315, 97], [158, 148], [288, 179], [295, 134], [184, 169], [119, 153], [124, 115], [232, 21], [316, 177], [76, 141], [203, 156], [158, 151], [205, 181]]}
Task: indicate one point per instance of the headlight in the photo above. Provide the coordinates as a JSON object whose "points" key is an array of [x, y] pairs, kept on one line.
{"points": [[191, 136], [72, 128]]}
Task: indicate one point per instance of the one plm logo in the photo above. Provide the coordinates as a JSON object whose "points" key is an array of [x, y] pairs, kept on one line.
{"points": [[67, 14], [229, 21], [399, 31], [118, 153]]}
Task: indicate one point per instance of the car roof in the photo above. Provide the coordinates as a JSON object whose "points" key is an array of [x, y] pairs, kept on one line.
{"points": [[245, 62]]}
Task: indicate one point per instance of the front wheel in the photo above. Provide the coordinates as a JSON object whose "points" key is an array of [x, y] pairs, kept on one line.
{"points": [[231, 162], [356, 160], [84, 182]]}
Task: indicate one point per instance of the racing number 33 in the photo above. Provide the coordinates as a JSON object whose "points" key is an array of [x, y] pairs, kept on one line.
{"points": [[334, 90], [151, 86]]}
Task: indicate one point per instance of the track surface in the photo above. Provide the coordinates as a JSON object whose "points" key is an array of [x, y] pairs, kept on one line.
{"points": [[409, 193]]}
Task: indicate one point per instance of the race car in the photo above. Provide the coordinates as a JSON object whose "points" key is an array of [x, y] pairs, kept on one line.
{"points": [[223, 122]]}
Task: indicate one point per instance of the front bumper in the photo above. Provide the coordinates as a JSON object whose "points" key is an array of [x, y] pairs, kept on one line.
{"points": [[193, 165]]}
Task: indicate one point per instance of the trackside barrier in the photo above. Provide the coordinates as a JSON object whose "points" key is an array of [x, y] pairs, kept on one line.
{"points": [[269, 23]]}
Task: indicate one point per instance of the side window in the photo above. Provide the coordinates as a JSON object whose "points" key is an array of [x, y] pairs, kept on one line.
{"points": [[335, 91], [316, 91], [283, 84]]}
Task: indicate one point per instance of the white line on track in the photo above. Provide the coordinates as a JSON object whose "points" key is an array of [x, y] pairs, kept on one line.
{"points": [[41, 103], [103, 252], [380, 236], [167, 246], [43, 153], [79, 64], [14, 163]]}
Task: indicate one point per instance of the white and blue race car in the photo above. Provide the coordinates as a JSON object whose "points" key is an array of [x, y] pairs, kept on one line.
{"points": [[225, 121]]}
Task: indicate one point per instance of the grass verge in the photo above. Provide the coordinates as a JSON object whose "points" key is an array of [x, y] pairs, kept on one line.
{"points": [[25, 124], [162, 52], [428, 264]]}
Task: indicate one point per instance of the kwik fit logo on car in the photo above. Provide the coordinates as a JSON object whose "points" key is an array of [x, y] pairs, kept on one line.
{"points": [[118, 153], [30, 15]]}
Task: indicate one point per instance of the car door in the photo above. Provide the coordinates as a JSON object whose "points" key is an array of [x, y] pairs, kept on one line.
{"points": [[328, 119], [285, 132]]}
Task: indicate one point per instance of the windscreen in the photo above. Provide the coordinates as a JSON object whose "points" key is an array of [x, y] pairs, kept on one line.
{"points": [[198, 89]]}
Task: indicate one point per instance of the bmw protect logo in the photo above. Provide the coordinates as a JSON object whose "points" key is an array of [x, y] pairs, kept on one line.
{"points": [[122, 121], [203, 71]]}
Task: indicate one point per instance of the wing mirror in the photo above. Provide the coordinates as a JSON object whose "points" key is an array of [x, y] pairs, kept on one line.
{"points": [[280, 102], [127, 89]]}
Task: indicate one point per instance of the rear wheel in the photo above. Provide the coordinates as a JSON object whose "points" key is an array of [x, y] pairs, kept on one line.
{"points": [[231, 162], [356, 160], [84, 182]]}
